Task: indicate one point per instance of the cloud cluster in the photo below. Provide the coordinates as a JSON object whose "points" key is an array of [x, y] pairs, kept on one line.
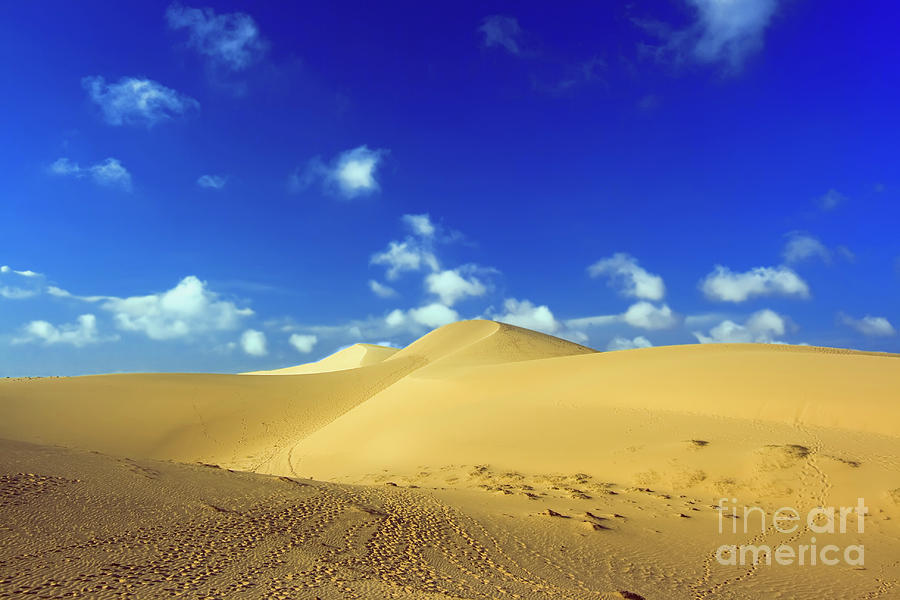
{"points": [[623, 343], [350, 174], [629, 277], [451, 286], [524, 313], [109, 173], [725, 285], [133, 101], [230, 40], [78, 334], [762, 327], [188, 309], [414, 253]]}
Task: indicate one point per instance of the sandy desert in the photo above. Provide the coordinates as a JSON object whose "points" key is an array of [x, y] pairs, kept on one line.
{"points": [[481, 461]]}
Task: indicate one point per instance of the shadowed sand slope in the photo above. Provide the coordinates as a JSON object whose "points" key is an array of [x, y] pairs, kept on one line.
{"points": [[357, 355], [569, 473]]}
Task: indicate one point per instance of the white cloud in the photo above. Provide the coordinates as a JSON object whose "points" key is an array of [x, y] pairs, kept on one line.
{"points": [[761, 327], [232, 40], [253, 342], [631, 279], [431, 316], [381, 290], [183, 311], [215, 182], [801, 247], [831, 199], [450, 286], [408, 255], [622, 343], [869, 325], [110, 172], [351, 174], [303, 343], [78, 334], [649, 316], [134, 101], [420, 225], [523, 313], [16, 293], [727, 286], [500, 30], [729, 30]]}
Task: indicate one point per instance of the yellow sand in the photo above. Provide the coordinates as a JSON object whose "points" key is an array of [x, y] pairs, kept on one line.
{"points": [[520, 463]]}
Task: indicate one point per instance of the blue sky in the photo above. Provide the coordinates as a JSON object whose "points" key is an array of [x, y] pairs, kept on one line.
{"points": [[242, 186]]}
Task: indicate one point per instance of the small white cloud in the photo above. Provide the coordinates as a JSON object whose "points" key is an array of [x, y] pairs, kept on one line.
{"points": [[801, 247], [109, 173], [408, 255], [420, 225], [649, 316], [727, 286], [350, 174], [450, 286], [762, 327], [24, 273], [503, 31], [622, 343], [303, 343], [395, 318], [869, 325], [631, 279], [524, 313], [134, 101], [253, 342], [431, 316], [78, 334], [232, 40], [831, 199], [188, 309], [381, 290], [215, 182]]}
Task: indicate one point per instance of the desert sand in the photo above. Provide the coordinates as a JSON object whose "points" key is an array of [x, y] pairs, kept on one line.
{"points": [[481, 461]]}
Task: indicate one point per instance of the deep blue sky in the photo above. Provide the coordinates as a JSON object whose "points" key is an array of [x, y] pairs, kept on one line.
{"points": [[654, 141]]}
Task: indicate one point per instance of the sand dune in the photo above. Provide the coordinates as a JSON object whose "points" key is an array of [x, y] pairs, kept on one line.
{"points": [[357, 355], [577, 472]]}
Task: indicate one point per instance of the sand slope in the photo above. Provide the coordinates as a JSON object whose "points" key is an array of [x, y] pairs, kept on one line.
{"points": [[357, 355], [541, 442]]}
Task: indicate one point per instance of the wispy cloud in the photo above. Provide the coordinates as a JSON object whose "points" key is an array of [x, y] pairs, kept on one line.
{"points": [[350, 174], [869, 326], [134, 101], [230, 40], [622, 343], [831, 199], [110, 172], [214, 182], [802, 247], [502, 31], [724, 32]]}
